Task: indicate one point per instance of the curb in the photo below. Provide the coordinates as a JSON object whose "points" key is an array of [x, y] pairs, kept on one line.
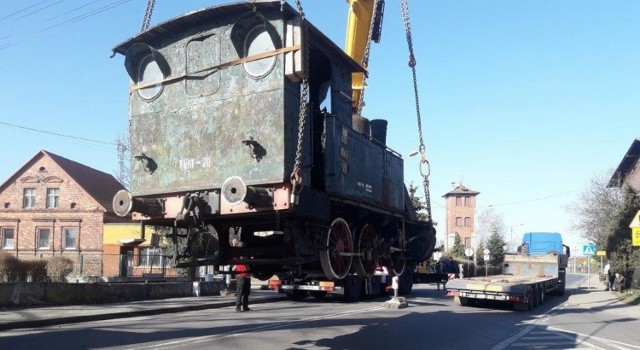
{"points": [[127, 314]]}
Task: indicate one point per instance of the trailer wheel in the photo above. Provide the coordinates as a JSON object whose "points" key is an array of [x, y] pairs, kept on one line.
{"points": [[337, 255], [406, 281], [353, 287], [462, 301], [318, 294], [297, 294]]}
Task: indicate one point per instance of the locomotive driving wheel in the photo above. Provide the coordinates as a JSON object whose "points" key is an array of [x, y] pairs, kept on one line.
{"points": [[395, 261], [367, 247], [337, 256]]}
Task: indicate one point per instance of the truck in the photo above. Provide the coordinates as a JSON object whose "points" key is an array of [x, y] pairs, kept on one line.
{"points": [[537, 269]]}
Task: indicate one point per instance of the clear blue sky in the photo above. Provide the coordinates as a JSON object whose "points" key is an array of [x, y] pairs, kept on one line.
{"points": [[523, 101]]}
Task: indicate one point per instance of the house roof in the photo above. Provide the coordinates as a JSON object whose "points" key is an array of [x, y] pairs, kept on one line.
{"points": [[461, 190], [627, 164], [99, 185]]}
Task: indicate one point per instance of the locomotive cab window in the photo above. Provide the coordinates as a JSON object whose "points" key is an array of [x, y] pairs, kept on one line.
{"points": [[146, 66], [259, 41], [149, 72], [252, 35]]}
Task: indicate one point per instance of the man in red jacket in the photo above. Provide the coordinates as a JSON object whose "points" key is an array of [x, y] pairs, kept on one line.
{"points": [[243, 288]]}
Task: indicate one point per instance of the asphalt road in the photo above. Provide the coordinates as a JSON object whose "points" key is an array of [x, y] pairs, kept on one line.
{"points": [[580, 319]]}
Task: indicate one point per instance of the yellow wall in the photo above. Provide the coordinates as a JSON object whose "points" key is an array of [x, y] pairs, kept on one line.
{"points": [[114, 233]]}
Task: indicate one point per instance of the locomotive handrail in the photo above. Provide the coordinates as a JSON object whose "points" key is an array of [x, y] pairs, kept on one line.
{"points": [[218, 67]]}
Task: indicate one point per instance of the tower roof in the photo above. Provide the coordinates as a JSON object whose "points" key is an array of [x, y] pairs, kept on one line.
{"points": [[461, 190]]}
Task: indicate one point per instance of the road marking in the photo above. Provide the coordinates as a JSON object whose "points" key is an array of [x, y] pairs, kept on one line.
{"points": [[277, 325], [604, 340]]}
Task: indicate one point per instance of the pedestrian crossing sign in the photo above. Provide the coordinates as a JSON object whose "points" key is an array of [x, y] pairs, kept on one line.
{"points": [[588, 249]]}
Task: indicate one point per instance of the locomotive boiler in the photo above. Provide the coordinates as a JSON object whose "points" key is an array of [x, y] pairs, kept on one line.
{"points": [[229, 153]]}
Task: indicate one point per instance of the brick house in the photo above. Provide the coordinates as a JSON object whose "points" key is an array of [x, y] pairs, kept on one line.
{"points": [[53, 206], [628, 171]]}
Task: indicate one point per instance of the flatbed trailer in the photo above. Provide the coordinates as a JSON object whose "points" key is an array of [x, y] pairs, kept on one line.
{"points": [[525, 282]]}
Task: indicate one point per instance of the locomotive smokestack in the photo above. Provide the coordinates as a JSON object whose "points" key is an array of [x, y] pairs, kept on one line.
{"points": [[379, 130]]}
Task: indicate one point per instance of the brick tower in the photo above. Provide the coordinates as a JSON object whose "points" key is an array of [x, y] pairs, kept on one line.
{"points": [[460, 215]]}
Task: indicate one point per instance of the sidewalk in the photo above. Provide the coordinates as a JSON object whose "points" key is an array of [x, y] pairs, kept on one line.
{"points": [[55, 315], [597, 298]]}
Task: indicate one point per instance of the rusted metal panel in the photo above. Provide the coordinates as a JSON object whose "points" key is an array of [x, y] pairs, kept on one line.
{"points": [[359, 168], [200, 130]]}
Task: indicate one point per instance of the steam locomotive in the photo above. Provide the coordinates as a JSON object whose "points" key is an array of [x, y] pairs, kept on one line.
{"points": [[224, 159]]}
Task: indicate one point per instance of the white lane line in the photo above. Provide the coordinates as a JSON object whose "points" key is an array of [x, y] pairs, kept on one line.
{"points": [[278, 325], [604, 340]]}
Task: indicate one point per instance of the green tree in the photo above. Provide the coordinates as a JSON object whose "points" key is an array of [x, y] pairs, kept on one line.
{"points": [[480, 255], [457, 251], [496, 244], [418, 205], [623, 256]]}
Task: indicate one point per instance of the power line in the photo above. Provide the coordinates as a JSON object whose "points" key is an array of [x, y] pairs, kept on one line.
{"points": [[40, 9], [57, 134], [24, 9], [68, 21]]}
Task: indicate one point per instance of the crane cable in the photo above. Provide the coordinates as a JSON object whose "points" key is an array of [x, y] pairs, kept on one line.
{"points": [[296, 174], [412, 64], [147, 15], [365, 61]]}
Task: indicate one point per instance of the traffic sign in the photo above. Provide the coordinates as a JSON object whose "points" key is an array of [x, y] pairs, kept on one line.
{"points": [[601, 253], [486, 257], [468, 252], [588, 249], [635, 236], [486, 251]]}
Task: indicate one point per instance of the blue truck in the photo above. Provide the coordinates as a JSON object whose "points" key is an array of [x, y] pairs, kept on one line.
{"points": [[537, 269]]}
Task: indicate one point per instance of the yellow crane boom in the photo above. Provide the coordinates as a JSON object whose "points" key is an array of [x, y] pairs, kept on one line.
{"points": [[364, 16]]}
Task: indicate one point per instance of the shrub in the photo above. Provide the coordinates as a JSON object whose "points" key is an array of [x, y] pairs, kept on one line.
{"points": [[8, 267], [36, 270], [58, 268]]}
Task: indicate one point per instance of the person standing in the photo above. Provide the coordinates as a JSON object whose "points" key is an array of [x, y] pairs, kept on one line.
{"points": [[243, 284], [618, 282], [439, 270], [451, 269], [608, 277]]}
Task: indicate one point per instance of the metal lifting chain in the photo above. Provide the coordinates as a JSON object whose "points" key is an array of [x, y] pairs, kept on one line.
{"points": [[147, 15], [365, 60], [412, 63], [296, 176]]}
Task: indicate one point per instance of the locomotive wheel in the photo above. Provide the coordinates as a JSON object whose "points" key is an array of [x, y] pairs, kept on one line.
{"points": [[367, 245], [396, 262], [337, 257]]}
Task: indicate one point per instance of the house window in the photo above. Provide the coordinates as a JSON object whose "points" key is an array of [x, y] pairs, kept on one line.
{"points": [[467, 242], [150, 257], [70, 238], [8, 238], [44, 238], [459, 222], [29, 199], [459, 201], [53, 197], [467, 201], [467, 222]]}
